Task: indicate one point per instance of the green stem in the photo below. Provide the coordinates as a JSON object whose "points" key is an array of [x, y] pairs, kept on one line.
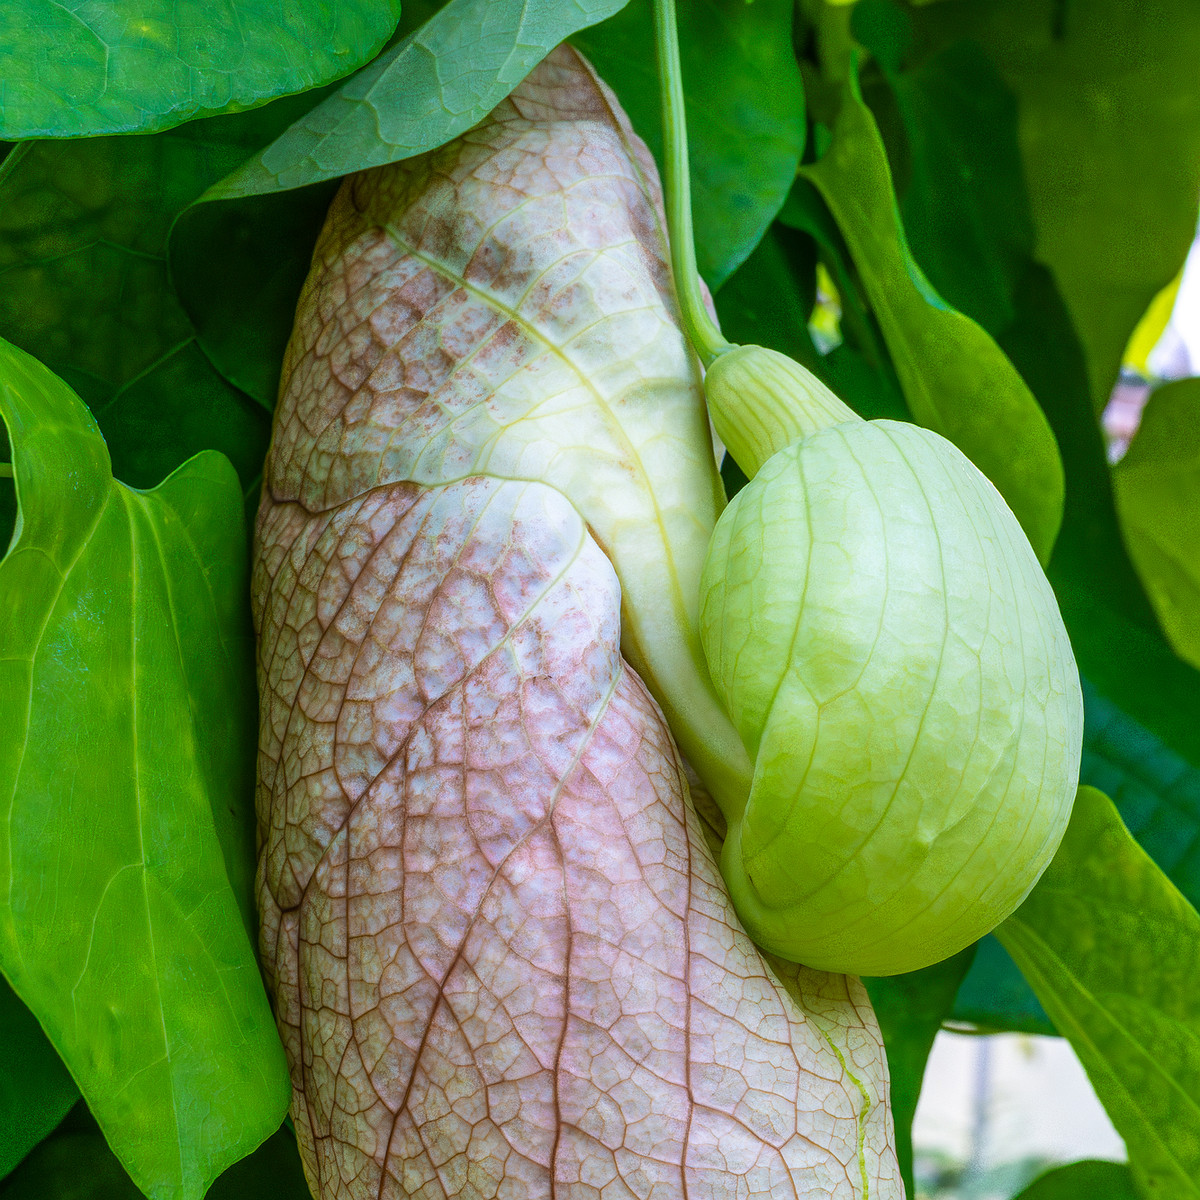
{"points": [[6, 470], [701, 329]]}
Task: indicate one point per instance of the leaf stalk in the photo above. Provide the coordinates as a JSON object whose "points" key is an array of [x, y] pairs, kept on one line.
{"points": [[701, 329]]}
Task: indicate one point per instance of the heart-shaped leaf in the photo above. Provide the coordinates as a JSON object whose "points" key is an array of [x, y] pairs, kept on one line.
{"points": [[125, 758]]}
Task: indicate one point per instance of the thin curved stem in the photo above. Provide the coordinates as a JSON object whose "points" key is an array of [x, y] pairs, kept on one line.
{"points": [[700, 328]]}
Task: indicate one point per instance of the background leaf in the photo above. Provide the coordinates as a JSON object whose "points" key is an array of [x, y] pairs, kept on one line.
{"points": [[1158, 498], [238, 267], [1109, 103], [955, 378], [76, 69], [36, 1090], [126, 762], [964, 208], [1112, 950], [910, 1009], [76, 1164], [83, 241], [1089, 1179], [745, 111]]}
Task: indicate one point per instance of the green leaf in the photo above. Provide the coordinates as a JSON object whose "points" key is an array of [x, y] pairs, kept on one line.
{"points": [[956, 379], [745, 111], [1156, 791], [238, 268], [995, 998], [35, 1089], [965, 210], [76, 70], [1157, 487], [72, 1166], [126, 762], [1112, 950], [911, 1009], [77, 1164], [86, 287], [1088, 1179], [1108, 96], [432, 86]]}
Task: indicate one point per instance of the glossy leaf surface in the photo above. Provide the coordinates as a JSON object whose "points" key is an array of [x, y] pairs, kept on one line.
{"points": [[745, 111], [124, 765], [956, 379], [1111, 948], [1158, 498], [499, 940], [435, 84], [78, 69]]}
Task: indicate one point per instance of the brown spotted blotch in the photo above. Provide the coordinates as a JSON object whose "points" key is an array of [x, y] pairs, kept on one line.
{"points": [[502, 957]]}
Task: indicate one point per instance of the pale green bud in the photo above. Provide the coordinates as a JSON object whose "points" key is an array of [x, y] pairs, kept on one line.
{"points": [[761, 401], [895, 662]]}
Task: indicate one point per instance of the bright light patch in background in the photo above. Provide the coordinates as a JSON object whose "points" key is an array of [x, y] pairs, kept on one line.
{"points": [[996, 1111], [1165, 345]]}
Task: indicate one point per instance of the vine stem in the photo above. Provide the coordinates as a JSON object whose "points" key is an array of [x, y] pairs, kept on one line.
{"points": [[700, 328]]}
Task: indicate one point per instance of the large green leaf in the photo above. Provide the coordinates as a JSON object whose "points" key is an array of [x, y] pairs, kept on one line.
{"points": [[433, 85], [745, 111], [1089, 1179], [911, 1009], [1158, 498], [78, 69], [35, 1089], [1112, 950], [126, 761], [956, 379], [1109, 101]]}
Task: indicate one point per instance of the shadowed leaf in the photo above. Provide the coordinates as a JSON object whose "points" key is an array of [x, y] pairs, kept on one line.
{"points": [[35, 1088], [1109, 108]]}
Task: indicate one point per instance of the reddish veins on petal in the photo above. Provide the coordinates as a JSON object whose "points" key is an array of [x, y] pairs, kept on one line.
{"points": [[503, 960]]}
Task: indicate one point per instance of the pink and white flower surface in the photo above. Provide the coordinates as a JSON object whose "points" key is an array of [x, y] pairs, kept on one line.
{"points": [[503, 960]]}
